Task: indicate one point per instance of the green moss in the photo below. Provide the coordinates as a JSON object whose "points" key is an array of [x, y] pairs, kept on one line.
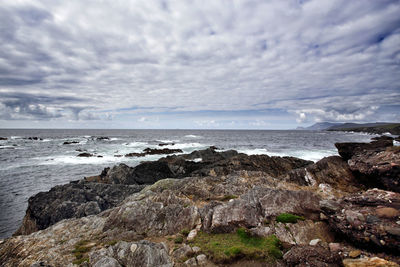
{"points": [[80, 261], [178, 240], [227, 247], [80, 251], [112, 242], [185, 232], [288, 218]]}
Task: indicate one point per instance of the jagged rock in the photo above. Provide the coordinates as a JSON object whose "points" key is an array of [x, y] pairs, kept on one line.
{"points": [[379, 169], [348, 150], [146, 254], [332, 170], [257, 205], [72, 200], [306, 255], [368, 262], [359, 219], [155, 215], [33, 138], [155, 151]]}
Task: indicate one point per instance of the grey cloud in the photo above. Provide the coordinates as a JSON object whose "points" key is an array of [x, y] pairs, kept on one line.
{"points": [[320, 58]]}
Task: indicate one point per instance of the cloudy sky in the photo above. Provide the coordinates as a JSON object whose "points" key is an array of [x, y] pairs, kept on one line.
{"points": [[198, 64]]}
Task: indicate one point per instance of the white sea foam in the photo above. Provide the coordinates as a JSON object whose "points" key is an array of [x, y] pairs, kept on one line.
{"points": [[137, 144], [256, 151], [192, 136], [185, 146], [167, 141], [396, 143], [15, 137], [302, 154]]}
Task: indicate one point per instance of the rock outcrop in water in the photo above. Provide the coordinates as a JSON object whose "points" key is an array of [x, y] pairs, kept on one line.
{"points": [[323, 214]]}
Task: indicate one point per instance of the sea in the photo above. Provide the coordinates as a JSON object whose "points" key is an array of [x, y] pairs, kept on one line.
{"points": [[29, 166]]}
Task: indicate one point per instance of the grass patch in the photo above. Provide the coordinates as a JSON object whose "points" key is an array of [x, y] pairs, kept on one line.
{"points": [[288, 218], [185, 232], [178, 240], [225, 248], [80, 251]]}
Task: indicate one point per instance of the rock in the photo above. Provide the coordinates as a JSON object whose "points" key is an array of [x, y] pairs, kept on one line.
{"points": [[99, 138], [33, 138], [311, 256], [70, 142], [85, 154], [73, 200], [314, 242], [382, 137], [335, 247], [191, 262], [41, 264], [354, 253], [259, 204], [147, 254], [357, 220], [3, 138], [155, 151], [368, 262], [387, 212], [196, 249], [375, 164], [133, 154], [192, 234], [332, 170], [183, 252], [201, 259], [166, 144], [348, 150]]}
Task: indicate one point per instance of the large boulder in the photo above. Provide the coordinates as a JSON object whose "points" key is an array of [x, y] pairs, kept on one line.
{"points": [[132, 254], [73, 200], [369, 220], [376, 164], [332, 171], [305, 255]]}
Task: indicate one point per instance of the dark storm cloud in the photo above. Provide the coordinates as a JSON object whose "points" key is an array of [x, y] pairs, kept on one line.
{"points": [[308, 60]]}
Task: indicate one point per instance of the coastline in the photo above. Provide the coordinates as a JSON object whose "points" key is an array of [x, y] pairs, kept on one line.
{"points": [[317, 192]]}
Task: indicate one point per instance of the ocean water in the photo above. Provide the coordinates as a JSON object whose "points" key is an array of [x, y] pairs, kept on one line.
{"points": [[31, 166]]}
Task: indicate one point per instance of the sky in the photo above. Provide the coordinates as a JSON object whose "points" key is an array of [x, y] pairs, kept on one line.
{"points": [[201, 64]]}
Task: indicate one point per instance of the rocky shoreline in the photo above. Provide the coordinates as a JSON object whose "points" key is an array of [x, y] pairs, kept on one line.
{"points": [[211, 208]]}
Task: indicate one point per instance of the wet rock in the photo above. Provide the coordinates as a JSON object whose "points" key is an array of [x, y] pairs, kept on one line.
{"points": [[311, 256], [147, 254], [155, 151], [33, 138], [3, 138], [368, 262], [85, 154], [357, 219], [73, 200], [70, 142]]}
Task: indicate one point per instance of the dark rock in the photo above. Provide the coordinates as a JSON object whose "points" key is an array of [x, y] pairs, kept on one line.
{"points": [[133, 154], [34, 138], [383, 137], [368, 219], [3, 138], [102, 138], [348, 150], [306, 255], [166, 144], [70, 142], [73, 200], [85, 154], [155, 151]]}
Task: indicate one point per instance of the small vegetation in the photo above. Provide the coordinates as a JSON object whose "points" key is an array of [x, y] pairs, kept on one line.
{"points": [[185, 232], [227, 247], [288, 218], [178, 239], [81, 250]]}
